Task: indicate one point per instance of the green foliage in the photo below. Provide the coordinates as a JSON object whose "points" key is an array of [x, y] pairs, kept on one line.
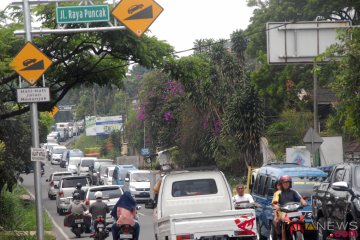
{"points": [[288, 131], [14, 215]]}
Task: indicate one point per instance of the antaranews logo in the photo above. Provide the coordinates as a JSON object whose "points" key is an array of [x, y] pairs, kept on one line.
{"points": [[340, 229]]}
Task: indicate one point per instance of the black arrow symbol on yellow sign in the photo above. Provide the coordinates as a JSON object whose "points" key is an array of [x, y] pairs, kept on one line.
{"points": [[144, 14], [36, 66]]}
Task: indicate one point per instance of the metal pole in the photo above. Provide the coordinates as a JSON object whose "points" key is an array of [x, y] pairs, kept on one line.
{"points": [[35, 138], [316, 121], [144, 133]]}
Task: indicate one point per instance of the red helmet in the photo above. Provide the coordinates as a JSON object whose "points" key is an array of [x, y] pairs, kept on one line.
{"points": [[285, 178]]}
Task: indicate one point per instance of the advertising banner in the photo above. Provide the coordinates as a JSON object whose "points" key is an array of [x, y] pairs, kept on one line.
{"points": [[90, 125], [105, 125], [298, 155]]}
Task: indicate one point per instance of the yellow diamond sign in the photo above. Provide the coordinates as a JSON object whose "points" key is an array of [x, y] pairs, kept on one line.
{"points": [[30, 63], [137, 15]]}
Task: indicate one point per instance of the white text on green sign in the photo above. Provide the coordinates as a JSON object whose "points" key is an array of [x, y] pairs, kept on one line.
{"points": [[81, 14]]}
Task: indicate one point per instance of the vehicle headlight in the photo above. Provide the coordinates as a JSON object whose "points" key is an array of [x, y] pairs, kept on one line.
{"points": [[291, 207]]}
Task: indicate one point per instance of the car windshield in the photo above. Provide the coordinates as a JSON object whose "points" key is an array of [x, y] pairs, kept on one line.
{"points": [[305, 185], [71, 182], [74, 161], [107, 193], [76, 154], [102, 163], [57, 177], [194, 187], [59, 150], [103, 169], [87, 163], [140, 177]]}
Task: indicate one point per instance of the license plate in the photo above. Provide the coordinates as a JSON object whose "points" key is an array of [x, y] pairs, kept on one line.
{"points": [[294, 214], [100, 225], [126, 236], [79, 220]]}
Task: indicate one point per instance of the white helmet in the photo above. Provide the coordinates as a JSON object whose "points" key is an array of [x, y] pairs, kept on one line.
{"points": [[98, 194]]}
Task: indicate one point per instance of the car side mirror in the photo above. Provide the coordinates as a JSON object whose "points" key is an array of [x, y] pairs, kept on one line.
{"points": [[47, 180], [127, 179], [150, 204], [340, 186]]}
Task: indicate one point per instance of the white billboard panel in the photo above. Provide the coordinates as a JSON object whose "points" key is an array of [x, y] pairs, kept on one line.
{"points": [[90, 125], [105, 125], [300, 42], [298, 155], [331, 151]]}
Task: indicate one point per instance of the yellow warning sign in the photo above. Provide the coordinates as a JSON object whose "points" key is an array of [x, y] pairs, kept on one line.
{"points": [[54, 111], [137, 15], [30, 63]]}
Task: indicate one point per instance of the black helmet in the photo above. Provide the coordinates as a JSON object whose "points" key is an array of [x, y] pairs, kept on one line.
{"points": [[78, 186], [76, 196]]}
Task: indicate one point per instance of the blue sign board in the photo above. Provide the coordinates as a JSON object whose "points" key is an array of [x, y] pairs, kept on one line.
{"points": [[145, 151]]}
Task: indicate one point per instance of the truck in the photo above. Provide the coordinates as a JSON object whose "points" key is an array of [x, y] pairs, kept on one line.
{"points": [[198, 205], [336, 203]]}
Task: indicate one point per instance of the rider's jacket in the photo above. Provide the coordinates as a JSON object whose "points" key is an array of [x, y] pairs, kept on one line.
{"points": [[286, 196], [99, 208]]}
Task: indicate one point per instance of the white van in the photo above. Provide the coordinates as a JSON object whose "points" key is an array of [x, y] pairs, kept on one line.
{"points": [[137, 182]]}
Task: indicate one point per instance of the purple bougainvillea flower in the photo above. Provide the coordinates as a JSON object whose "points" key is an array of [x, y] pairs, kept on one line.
{"points": [[141, 114], [167, 116]]}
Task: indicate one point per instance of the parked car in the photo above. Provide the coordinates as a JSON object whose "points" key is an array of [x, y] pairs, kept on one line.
{"points": [[56, 154], [67, 186], [137, 182], [69, 154], [107, 177], [198, 205], [336, 203], [303, 178], [54, 180], [118, 177]]}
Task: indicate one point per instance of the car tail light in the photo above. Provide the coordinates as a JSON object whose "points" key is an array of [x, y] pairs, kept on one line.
{"points": [[87, 202], [61, 194], [99, 219], [185, 237]]}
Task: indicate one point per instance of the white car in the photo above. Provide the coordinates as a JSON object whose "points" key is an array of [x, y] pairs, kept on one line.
{"points": [[85, 163], [73, 164], [137, 182], [56, 154], [107, 177]]}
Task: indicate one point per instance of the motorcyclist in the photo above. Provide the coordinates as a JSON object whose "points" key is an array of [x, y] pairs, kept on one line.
{"points": [[77, 206], [243, 197], [80, 191], [125, 212], [286, 195], [98, 208]]}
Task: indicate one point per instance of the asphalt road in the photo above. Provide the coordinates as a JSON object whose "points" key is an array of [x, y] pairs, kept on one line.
{"points": [[61, 232]]}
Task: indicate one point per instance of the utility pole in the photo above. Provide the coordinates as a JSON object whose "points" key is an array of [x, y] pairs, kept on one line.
{"points": [[35, 137]]}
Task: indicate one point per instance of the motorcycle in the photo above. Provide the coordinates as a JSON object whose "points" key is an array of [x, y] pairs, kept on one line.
{"points": [[293, 221], [126, 232], [78, 227], [100, 228]]}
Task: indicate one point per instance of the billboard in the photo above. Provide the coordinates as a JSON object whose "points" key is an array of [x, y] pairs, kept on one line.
{"points": [[99, 126], [90, 125], [299, 155], [300, 42], [105, 125]]}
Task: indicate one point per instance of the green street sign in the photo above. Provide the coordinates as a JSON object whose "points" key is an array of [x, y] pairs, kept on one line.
{"points": [[82, 14]]}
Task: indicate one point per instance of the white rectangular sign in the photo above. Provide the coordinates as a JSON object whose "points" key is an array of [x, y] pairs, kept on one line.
{"points": [[298, 155], [29, 95], [300, 42], [38, 154], [90, 125], [105, 125]]}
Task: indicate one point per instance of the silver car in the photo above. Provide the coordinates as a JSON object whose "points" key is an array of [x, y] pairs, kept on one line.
{"points": [[111, 194], [67, 186], [54, 180]]}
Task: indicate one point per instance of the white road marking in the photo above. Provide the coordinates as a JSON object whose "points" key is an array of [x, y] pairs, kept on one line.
{"points": [[52, 219], [141, 214]]}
